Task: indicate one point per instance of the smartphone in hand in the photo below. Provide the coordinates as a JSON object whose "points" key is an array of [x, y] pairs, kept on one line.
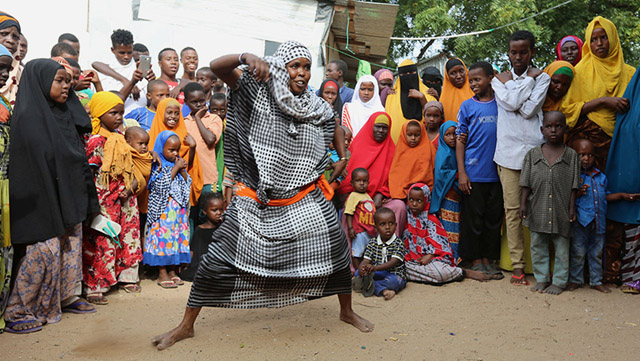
{"points": [[145, 64]]}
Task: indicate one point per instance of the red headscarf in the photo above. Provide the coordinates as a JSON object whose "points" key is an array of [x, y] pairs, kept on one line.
{"points": [[573, 38], [373, 156]]}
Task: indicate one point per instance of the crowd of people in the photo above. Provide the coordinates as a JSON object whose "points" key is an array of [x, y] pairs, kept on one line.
{"points": [[263, 192]]}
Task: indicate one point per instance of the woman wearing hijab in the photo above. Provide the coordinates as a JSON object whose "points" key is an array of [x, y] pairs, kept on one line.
{"points": [[408, 98], [366, 101], [280, 242], [330, 91], [412, 163], [373, 150], [6, 251], [561, 74], [51, 193], [455, 89], [384, 78], [569, 49], [598, 85], [622, 253], [11, 41], [432, 78]]}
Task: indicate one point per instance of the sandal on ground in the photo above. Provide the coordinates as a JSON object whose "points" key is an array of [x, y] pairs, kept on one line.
{"points": [[631, 287], [367, 285], [10, 327], [177, 280], [131, 288], [356, 284], [167, 284], [97, 299], [495, 273], [520, 280], [75, 307], [479, 267]]}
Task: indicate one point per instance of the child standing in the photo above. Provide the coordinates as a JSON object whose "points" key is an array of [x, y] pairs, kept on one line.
{"points": [[481, 211], [212, 205], [206, 78], [520, 94], [167, 243], [156, 91], [359, 210], [382, 272], [169, 65], [433, 117], [412, 160], [589, 230], [445, 201], [107, 261], [549, 181]]}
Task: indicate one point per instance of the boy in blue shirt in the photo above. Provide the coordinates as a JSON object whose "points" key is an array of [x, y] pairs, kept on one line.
{"points": [[481, 209], [156, 91], [591, 210]]}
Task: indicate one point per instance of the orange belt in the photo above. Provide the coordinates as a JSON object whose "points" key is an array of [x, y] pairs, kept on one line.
{"points": [[322, 183]]}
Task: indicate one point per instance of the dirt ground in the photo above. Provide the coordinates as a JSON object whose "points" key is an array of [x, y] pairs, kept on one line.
{"points": [[461, 321]]}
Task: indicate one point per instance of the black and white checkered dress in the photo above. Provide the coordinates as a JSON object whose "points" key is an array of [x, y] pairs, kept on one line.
{"points": [[265, 256]]}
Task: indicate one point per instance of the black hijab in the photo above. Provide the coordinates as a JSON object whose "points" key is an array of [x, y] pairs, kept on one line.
{"points": [[432, 78], [337, 104], [408, 76], [50, 184]]}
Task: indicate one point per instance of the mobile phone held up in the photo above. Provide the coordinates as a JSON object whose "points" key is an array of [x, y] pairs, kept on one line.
{"points": [[145, 64]]}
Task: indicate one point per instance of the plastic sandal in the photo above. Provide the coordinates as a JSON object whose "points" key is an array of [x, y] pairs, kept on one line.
{"points": [[73, 308], [10, 327], [519, 278]]}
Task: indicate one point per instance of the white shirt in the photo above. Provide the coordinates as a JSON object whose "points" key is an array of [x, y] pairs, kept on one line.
{"points": [[519, 117], [109, 83]]}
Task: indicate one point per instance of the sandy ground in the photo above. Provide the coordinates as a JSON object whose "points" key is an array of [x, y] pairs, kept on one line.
{"points": [[461, 321]]}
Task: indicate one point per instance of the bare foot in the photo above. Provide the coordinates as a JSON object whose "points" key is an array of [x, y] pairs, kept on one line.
{"points": [[477, 275], [167, 340], [388, 294], [601, 288], [357, 321], [518, 278], [540, 287], [553, 290], [573, 286]]}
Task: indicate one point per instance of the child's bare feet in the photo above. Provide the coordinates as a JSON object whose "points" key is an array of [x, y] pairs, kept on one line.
{"points": [[388, 294], [601, 288], [540, 287], [167, 340], [573, 286], [477, 275], [553, 290]]}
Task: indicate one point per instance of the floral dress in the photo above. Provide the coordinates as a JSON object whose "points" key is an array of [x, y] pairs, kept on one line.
{"points": [[105, 262], [167, 241]]}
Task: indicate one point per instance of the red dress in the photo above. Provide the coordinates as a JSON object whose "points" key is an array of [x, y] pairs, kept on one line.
{"points": [[104, 262]]}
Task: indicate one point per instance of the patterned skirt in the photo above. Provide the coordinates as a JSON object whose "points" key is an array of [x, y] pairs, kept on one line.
{"points": [[450, 219], [586, 129], [273, 256], [50, 273], [167, 240]]}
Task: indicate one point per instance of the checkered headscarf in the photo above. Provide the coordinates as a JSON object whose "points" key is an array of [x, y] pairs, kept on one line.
{"points": [[305, 107]]}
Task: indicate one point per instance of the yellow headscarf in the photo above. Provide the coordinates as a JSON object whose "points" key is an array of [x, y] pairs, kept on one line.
{"points": [[599, 77], [394, 108], [117, 160]]}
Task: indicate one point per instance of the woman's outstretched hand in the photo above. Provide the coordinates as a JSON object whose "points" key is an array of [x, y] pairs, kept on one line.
{"points": [[258, 67]]}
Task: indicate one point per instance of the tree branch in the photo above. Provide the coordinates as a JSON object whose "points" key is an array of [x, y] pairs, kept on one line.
{"points": [[425, 48]]}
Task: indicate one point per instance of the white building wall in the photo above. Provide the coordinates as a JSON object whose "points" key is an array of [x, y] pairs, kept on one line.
{"points": [[212, 27]]}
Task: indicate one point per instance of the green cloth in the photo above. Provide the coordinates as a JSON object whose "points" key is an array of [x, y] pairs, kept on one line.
{"points": [[364, 68], [220, 158], [564, 70]]}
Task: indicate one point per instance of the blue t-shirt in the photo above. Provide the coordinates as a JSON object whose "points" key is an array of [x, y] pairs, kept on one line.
{"points": [[143, 116], [478, 120]]}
